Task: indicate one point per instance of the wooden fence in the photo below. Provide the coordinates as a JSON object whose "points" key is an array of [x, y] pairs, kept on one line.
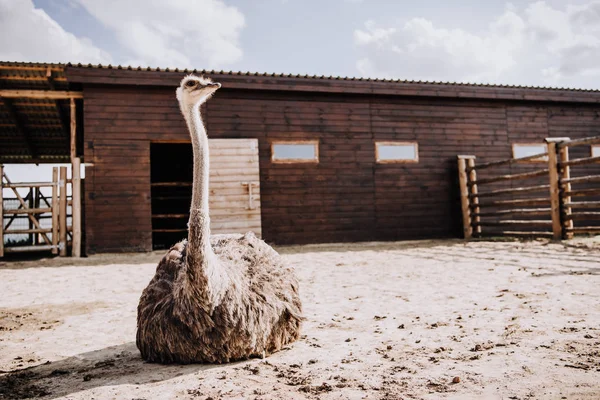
{"points": [[532, 209], [36, 207]]}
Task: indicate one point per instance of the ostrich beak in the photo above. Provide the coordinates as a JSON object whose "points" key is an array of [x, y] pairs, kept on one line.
{"points": [[215, 84]]}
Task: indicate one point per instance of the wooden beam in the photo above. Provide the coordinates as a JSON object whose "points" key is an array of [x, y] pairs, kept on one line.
{"points": [[473, 192], [554, 191], [464, 198], [1, 212], [61, 115], [12, 112], [55, 210], [62, 213], [40, 94], [565, 177], [18, 67], [76, 206], [73, 131]]}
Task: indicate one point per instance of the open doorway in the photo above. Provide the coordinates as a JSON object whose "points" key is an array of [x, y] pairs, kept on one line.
{"points": [[234, 200]]}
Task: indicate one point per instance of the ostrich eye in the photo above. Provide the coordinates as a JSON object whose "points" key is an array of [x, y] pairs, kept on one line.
{"points": [[190, 84]]}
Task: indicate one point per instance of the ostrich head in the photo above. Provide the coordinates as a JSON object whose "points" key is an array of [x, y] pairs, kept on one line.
{"points": [[195, 90]]}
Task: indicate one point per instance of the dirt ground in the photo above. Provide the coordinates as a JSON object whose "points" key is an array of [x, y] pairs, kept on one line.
{"points": [[406, 320]]}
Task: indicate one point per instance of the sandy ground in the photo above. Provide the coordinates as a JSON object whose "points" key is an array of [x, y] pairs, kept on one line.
{"points": [[419, 320]]}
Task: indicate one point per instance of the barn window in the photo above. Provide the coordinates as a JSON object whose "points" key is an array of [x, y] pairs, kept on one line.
{"points": [[596, 151], [396, 152], [295, 151], [529, 149]]}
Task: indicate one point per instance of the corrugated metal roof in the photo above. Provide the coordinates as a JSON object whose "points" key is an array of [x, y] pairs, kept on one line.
{"points": [[306, 76]]}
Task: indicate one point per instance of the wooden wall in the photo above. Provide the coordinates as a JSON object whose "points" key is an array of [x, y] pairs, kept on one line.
{"points": [[346, 196]]}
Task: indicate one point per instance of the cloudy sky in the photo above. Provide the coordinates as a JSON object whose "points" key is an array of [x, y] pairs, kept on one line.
{"points": [[550, 43]]}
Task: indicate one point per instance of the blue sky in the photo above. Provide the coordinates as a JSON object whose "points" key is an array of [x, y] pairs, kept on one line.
{"points": [[548, 43]]}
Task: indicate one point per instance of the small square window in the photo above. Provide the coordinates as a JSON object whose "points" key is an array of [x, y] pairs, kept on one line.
{"points": [[396, 152], [521, 150], [295, 151], [596, 151]]}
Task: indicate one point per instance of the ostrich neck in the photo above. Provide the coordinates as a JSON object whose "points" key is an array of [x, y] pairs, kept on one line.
{"points": [[199, 250]]}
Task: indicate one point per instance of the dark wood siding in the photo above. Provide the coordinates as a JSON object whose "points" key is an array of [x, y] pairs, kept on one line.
{"points": [[346, 196]]}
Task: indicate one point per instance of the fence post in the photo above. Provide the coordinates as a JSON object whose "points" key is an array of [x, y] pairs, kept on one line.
{"points": [[55, 210], [565, 174], [554, 189], [62, 214], [1, 212], [464, 197], [76, 206], [473, 192]]}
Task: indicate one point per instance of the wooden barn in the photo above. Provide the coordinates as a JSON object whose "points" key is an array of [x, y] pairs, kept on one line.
{"points": [[297, 159]]}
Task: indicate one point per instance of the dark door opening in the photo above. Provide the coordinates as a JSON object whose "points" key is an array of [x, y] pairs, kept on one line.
{"points": [[171, 182]]}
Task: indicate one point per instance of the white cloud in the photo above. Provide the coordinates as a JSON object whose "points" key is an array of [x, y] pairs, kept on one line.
{"points": [[29, 34], [175, 33], [538, 45]]}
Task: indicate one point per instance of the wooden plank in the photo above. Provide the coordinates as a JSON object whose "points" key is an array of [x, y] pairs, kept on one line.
{"points": [[582, 215], [73, 129], [581, 192], [554, 190], [76, 205], [510, 161], [29, 185], [585, 229], [583, 204], [581, 179], [525, 175], [464, 198], [28, 211], [581, 161], [540, 223], [25, 249], [40, 94], [517, 202], [24, 231], [1, 211], [495, 193], [55, 210], [62, 213], [517, 211], [519, 233], [580, 142]]}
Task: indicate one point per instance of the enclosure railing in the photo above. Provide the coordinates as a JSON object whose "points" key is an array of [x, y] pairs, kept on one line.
{"points": [[546, 209], [35, 208], [586, 207]]}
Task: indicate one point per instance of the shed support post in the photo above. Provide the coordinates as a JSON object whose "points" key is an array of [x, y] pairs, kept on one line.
{"points": [[76, 206], [55, 211], [62, 214], [554, 190], [73, 130]]}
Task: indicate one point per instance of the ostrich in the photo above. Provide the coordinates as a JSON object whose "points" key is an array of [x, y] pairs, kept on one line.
{"points": [[215, 300]]}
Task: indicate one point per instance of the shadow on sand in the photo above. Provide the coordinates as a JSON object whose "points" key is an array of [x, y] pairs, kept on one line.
{"points": [[117, 365]]}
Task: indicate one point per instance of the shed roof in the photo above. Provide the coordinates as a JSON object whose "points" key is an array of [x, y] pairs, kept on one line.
{"points": [[128, 75], [34, 113]]}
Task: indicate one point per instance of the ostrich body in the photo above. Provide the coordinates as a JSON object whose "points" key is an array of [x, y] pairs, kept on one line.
{"points": [[218, 299]]}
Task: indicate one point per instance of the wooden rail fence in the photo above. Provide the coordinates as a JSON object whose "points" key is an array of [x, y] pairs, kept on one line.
{"points": [[36, 206], [554, 209]]}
